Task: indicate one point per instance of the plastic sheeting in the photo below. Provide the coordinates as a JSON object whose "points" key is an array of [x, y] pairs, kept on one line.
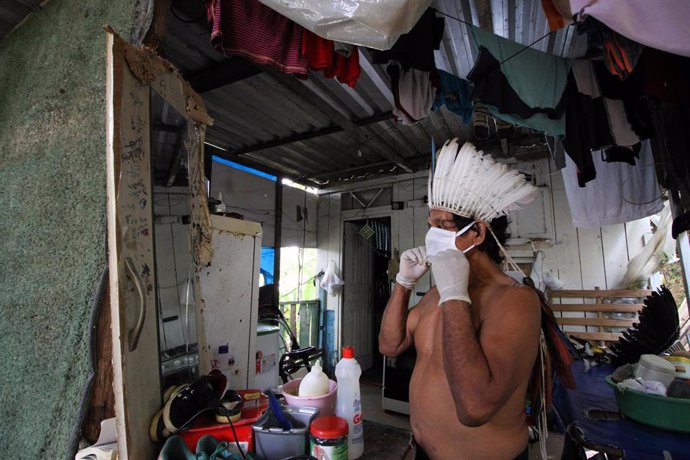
{"points": [[331, 282], [660, 25], [647, 262], [372, 23]]}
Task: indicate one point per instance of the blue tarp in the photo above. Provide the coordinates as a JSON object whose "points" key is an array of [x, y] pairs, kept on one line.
{"points": [[268, 256], [638, 441]]}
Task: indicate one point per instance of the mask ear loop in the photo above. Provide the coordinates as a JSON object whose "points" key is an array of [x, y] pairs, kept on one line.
{"points": [[509, 259]]}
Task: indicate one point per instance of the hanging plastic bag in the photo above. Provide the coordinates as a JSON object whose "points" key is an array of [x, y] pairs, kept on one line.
{"points": [[331, 282], [373, 23]]}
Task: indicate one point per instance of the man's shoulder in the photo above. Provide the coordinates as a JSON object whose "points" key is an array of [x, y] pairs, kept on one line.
{"points": [[516, 294], [430, 298]]}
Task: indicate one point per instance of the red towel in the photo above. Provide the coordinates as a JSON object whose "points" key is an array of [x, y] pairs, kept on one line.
{"points": [[321, 55], [249, 29]]}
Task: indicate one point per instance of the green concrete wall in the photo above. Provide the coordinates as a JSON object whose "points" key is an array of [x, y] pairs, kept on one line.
{"points": [[52, 216]]}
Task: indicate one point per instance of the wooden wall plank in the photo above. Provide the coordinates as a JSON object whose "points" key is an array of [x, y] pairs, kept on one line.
{"points": [[565, 252], [616, 254]]}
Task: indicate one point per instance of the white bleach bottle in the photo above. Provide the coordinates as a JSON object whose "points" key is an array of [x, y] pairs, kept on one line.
{"points": [[349, 401]]}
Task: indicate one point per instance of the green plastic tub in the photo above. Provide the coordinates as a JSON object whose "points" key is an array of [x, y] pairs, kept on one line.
{"points": [[666, 413]]}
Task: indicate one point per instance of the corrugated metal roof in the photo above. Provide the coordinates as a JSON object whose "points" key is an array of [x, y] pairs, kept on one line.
{"points": [[322, 132], [319, 131]]}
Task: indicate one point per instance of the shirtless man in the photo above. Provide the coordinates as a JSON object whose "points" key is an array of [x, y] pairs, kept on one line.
{"points": [[476, 334]]}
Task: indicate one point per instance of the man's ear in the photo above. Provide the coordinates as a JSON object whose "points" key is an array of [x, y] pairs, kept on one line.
{"points": [[480, 234]]}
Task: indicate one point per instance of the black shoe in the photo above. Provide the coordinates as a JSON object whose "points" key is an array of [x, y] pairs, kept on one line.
{"points": [[157, 430], [230, 407], [189, 401]]}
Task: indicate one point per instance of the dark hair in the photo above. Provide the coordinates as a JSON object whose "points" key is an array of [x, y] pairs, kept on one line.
{"points": [[500, 227]]}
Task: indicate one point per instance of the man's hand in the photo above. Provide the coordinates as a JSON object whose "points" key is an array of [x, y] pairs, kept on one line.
{"points": [[452, 272], [413, 265]]}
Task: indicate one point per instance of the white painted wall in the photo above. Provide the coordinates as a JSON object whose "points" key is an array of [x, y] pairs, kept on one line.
{"points": [[301, 233], [584, 258], [329, 244], [254, 198]]}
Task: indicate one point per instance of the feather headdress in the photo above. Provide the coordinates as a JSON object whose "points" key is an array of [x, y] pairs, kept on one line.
{"points": [[471, 184]]}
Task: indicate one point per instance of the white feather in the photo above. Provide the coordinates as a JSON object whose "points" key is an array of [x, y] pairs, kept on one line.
{"points": [[469, 183]]}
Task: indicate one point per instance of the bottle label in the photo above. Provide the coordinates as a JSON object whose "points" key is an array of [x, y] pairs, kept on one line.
{"points": [[357, 432], [337, 452]]}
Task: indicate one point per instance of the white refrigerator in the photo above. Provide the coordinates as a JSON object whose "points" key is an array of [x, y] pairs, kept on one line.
{"points": [[229, 290]]}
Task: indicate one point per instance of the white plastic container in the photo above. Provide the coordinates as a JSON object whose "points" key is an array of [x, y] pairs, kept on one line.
{"points": [[653, 367], [315, 383], [267, 356], [349, 401]]}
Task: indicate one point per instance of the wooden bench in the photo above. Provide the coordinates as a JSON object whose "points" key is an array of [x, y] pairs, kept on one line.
{"points": [[591, 309]]}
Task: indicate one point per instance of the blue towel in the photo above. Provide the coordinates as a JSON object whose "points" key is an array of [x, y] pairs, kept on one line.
{"points": [[454, 93]]}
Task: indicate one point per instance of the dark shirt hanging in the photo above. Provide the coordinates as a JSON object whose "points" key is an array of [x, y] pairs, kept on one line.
{"points": [[415, 49], [493, 88]]}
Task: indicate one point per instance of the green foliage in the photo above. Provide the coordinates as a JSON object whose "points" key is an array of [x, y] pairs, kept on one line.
{"points": [[297, 271]]}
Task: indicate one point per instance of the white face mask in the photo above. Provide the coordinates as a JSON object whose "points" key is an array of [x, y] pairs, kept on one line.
{"points": [[438, 240]]}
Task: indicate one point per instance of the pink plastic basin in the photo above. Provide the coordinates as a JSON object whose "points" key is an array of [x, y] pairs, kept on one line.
{"points": [[325, 403]]}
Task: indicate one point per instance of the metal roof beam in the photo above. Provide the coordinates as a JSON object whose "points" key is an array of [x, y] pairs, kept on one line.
{"points": [[221, 74], [331, 113], [312, 134]]}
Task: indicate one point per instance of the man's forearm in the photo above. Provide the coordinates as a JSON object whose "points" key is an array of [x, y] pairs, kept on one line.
{"points": [[467, 369], [393, 324]]}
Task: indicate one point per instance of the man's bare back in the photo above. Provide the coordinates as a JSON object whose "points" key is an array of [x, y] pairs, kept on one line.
{"points": [[433, 418]]}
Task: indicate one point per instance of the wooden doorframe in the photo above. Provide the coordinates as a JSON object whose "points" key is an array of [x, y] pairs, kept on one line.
{"points": [[352, 216]]}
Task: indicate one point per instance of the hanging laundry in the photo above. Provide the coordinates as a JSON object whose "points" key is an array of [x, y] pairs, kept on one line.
{"points": [[630, 92], [413, 93], [321, 55], [584, 118], [619, 194], [595, 122], [346, 69], [622, 133], [661, 25], [665, 76], [620, 54], [521, 86], [415, 50], [491, 87], [538, 78], [455, 94], [557, 13], [666, 84], [257, 33], [556, 150], [345, 49]]}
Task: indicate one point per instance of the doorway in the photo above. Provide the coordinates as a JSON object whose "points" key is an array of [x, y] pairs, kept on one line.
{"points": [[366, 253]]}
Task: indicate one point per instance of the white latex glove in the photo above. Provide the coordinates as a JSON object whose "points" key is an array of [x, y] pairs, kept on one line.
{"points": [[413, 265], [452, 272]]}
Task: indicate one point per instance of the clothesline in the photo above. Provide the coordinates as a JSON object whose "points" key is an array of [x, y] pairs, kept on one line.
{"points": [[510, 57]]}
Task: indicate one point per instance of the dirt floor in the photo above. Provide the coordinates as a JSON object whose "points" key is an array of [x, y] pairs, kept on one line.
{"points": [[384, 442]]}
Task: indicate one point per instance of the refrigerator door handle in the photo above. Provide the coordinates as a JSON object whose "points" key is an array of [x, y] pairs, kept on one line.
{"points": [[135, 332]]}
